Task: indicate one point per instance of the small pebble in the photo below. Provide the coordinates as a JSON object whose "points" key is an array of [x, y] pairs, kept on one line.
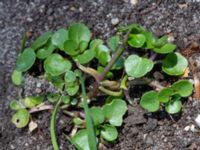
{"points": [[134, 2], [197, 120], [115, 21], [187, 128], [192, 128]]}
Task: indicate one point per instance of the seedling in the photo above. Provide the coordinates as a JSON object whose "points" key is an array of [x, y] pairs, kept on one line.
{"points": [[69, 56]]}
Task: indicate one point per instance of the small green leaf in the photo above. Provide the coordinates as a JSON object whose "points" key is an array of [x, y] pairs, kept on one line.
{"points": [[150, 39], [173, 106], [150, 102], [53, 97], [57, 81], [86, 57], [70, 76], [136, 66], [109, 132], [56, 65], [66, 99], [174, 64], [70, 47], [25, 60], [113, 43], [136, 40], [78, 32], [164, 95], [17, 77], [184, 88], [80, 140], [119, 64], [83, 46], [135, 28], [45, 51], [72, 90], [95, 43], [100, 69], [78, 121], [32, 101], [16, 105], [160, 42], [114, 111], [97, 115], [103, 54], [41, 40], [21, 118], [167, 48], [59, 38]]}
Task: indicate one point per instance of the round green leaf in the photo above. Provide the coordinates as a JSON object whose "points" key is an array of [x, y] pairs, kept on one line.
{"points": [[78, 32], [80, 140], [59, 37], [119, 64], [20, 118], [114, 111], [167, 48], [137, 40], [70, 47], [83, 46], [150, 39], [17, 77], [173, 107], [53, 97], [16, 105], [66, 99], [113, 43], [164, 95], [86, 57], [97, 115], [70, 76], [103, 54], [25, 60], [95, 43], [56, 65], [45, 51], [160, 42], [174, 64], [150, 102], [32, 101], [109, 133], [72, 90], [184, 88], [41, 40], [78, 121], [57, 81], [136, 66]]}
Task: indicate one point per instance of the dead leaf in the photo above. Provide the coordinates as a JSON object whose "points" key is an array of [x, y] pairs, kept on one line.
{"points": [[182, 6], [186, 73], [32, 126], [191, 49]]}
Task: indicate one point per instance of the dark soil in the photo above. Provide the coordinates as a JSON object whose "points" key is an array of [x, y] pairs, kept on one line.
{"points": [[140, 130]]}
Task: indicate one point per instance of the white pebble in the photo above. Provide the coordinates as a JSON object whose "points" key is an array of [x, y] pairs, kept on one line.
{"points": [[192, 128], [115, 21], [197, 120], [134, 2], [187, 128]]}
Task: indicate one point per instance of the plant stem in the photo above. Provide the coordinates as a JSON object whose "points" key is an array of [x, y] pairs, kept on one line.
{"points": [[52, 125], [118, 53], [93, 92], [89, 124], [109, 92]]}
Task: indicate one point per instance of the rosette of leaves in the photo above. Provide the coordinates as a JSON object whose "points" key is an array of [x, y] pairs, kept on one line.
{"points": [[170, 97], [105, 120]]}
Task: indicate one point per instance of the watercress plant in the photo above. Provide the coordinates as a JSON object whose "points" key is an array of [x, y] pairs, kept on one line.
{"points": [[70, 56]]}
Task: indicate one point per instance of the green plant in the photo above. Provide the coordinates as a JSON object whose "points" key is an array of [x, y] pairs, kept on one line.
{"points": [[68, 57]]}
